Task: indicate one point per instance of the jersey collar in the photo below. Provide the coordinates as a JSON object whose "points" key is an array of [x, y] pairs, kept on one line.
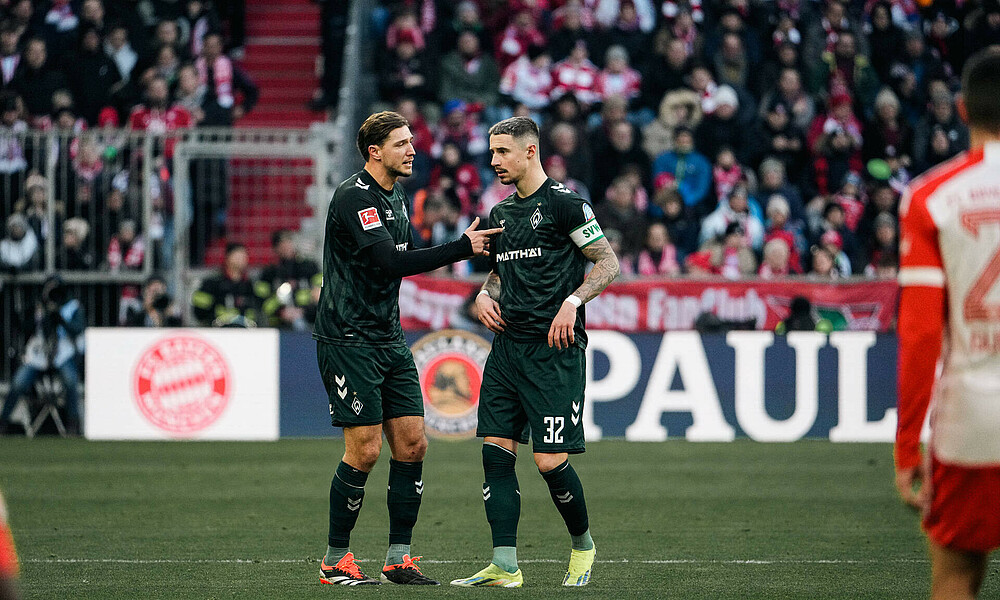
{"points": [[367, 177], [548, 182]]}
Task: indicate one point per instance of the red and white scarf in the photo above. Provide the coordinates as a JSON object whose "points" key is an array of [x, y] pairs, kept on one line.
{"points": [[222, 72]]}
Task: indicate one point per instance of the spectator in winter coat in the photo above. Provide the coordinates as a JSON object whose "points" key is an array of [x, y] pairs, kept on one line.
{"points": [[888, 135], [620, 213], [93, 77], [690, 169], [736, 210], [844, 70], [662, 72], [405, 71], [940, 134], [722, 127], [789, 91], [19, 250], [621, 153], [469, 74], [835, 142], [118, 49], [679, 108], [75, 255], [35, 81]]}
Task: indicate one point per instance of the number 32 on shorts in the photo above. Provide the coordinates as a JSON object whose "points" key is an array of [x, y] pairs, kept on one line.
{"points": [[553, 430]]}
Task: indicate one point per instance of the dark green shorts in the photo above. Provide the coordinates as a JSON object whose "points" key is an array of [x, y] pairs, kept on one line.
{"points": [[531, 386], [369, 385]]}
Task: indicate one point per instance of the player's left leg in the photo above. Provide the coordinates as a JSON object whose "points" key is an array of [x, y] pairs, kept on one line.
{"points": [[566, 491], [406, 487], [403, 407], [956, 575], [554, 404]]}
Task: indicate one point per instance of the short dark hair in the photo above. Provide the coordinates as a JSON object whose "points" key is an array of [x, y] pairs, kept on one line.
{"points": [[516, 127], [981, 88], [233, 247], [376, 129]]}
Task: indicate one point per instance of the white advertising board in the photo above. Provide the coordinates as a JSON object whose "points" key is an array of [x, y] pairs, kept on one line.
{"points": [[168, 384]]}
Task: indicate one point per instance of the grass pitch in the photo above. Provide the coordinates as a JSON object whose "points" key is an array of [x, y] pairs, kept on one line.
{"points": [[671, 520]]}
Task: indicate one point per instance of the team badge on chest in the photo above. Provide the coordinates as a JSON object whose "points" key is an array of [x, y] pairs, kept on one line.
{"points": [[536, 218]]}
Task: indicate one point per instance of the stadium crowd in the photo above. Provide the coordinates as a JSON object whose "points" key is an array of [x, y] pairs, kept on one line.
{"points": [[723, 137], [75, 74]]}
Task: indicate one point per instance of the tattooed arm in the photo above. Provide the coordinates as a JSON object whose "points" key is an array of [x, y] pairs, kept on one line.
{"points": [[492, 285], [604, 272], [488, 303]]}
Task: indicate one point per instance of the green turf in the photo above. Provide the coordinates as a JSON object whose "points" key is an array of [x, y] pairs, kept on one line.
{"points": [[823, 515]]}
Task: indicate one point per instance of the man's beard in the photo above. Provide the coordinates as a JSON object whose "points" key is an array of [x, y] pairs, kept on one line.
{"points": [[397, 173]]}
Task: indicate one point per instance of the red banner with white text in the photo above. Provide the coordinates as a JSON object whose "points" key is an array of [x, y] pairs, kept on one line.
{"points": [[653, 305]]}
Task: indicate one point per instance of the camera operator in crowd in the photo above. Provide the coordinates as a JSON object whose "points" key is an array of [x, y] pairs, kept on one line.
{"points": [[53, 325], [155, 308]]}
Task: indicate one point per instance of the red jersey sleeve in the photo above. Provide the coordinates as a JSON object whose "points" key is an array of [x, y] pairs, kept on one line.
{"points": [[922, 313], [8, 556]]}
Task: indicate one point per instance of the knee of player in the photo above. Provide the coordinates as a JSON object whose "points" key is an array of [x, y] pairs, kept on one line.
{"points": [[415, 449], [546, 462], [368, 454]]}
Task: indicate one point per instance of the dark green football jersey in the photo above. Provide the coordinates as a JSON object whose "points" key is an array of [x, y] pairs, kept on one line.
{"points": [[538, 258], [359, 304]]}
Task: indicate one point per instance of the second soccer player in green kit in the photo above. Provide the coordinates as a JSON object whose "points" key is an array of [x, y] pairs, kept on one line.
{"points": [[534, 378], [365, 364]]}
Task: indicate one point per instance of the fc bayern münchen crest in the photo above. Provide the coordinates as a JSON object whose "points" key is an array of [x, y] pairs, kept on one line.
{"points": [[450, 363]]}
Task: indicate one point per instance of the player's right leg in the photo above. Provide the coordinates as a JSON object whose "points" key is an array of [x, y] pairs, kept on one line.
{"points": [[503, 510], [352, 376], [956, 575], [347, 491], [502, 425]]}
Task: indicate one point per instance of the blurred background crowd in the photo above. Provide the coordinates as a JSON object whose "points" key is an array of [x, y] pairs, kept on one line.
{"points": [[732, 138], [727, 137]]}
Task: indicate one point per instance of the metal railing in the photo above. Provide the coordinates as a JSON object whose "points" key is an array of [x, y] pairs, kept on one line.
{"points": [[106, 209]]}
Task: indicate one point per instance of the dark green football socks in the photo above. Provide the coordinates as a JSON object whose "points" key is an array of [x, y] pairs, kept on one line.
{"points": [[503, 504], [346, 493], [406, 488], [567, 494]]}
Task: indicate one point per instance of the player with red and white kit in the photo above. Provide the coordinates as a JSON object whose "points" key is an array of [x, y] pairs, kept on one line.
{"points": [[950, 310], [8, 558]]}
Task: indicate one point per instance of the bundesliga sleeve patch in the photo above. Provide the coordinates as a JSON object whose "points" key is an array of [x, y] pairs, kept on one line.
{"points": [[369, 218], [586, 234]]}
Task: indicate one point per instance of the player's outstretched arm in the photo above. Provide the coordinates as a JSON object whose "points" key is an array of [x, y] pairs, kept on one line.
{"points": [[403, 263], [605, 270], [487, 305]]}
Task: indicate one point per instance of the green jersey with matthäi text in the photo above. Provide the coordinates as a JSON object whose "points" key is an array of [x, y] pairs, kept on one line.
{"points": [[539, 260], [359, 304]]}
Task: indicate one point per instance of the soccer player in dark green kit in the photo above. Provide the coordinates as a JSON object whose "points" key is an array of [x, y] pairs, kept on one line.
{"points": [[534, 377], [365, 364]]}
